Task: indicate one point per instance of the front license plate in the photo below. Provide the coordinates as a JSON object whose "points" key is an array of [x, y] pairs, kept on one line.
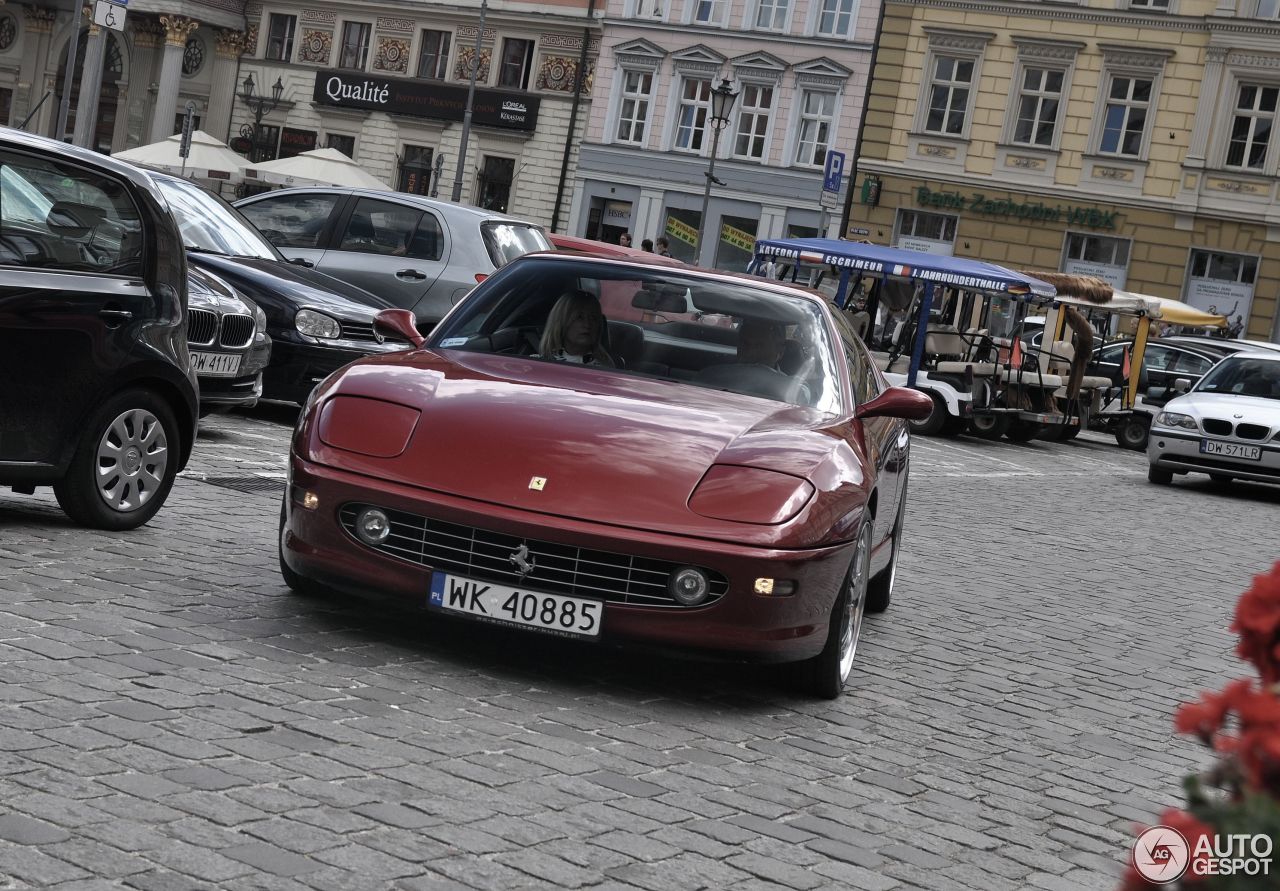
{"points": [[552, 613], [1231, 450], [215, 364]]}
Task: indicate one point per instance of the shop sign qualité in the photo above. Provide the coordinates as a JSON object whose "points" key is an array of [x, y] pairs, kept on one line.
{"points": [[1089, 217], [428, 99]]}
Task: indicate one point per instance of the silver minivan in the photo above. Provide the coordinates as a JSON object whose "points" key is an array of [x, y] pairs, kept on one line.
{"points": [[419, 253]]}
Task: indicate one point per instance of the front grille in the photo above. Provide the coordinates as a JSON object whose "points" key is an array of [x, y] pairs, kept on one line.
{"points": [[202, 327], [358, 331], [1252, 431], [559, 569], [237, 331], [1216, 427]]}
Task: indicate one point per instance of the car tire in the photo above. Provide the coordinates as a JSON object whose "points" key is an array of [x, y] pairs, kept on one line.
{"points": [[124, 464], [880, 587], [1023, 431], [1159, 475], [824, 675], [954, 425], [296, 583], [988, 426], [937, 420], [1133, 433]]}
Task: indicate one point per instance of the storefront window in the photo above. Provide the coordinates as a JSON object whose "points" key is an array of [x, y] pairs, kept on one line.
{"points": [[1099, 256], [344, 144], [496, 176], [681, 228], [1222, 283], [415, 170], [737, 242], [931, 233]]}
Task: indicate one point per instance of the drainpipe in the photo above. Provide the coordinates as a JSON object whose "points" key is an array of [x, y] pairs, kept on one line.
{"points": [[573, 114], [862, 124]]}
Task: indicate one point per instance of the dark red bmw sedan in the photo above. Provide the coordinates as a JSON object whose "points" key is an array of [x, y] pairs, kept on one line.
{"points": [[615, 451]]}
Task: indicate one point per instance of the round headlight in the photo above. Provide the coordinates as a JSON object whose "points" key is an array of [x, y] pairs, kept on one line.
{"points": [[372, 526], [316, 324], [689, 586]]}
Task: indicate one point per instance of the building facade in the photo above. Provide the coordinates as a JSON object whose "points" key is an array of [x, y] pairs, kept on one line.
{"points": [[1134, 141], [385, 82], [799, 68]]}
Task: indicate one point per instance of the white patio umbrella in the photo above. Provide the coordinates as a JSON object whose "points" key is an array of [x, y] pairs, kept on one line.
{"points": [[208, 158], [318, 167]]}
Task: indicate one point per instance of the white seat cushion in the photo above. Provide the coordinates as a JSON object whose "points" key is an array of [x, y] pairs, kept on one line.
{"points": [[1031, 379], [980, 369]]}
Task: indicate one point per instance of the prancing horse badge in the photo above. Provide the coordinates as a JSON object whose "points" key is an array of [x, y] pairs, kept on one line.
{"points": [[537, 483]]}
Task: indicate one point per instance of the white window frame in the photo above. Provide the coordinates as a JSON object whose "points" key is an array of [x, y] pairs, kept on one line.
{"points": [[1128, 63], [1046, 55], [444, 60], [719, 13], [961, 45], [295, 35], [1040, 96], [803, 91], [1163, 7], [340, 44], [1267, 10], [677, 104], [742, 110], [946, 220], [751, 21], [616, 113], [1232, 112], [814, 27], [498, 62]]}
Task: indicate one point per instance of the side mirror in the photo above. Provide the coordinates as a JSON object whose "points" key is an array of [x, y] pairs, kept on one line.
{"points": [[897, 402], [1181, 385], [398, 323]]}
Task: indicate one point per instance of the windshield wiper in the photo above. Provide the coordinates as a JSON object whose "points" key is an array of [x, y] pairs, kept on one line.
{"points": [[203, 250]]}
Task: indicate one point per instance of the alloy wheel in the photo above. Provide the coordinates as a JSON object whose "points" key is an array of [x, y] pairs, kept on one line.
{"points": [[855, 603]]}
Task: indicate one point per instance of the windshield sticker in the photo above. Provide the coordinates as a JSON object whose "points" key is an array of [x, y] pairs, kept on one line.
{"points": [[452, 342]]}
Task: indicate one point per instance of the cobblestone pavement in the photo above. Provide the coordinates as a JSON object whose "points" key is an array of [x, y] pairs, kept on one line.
{"points": [[173, 718]]}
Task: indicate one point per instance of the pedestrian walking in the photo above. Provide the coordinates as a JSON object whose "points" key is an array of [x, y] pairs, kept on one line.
{"points": [[625, 239], [663, 246], [647, 245]]}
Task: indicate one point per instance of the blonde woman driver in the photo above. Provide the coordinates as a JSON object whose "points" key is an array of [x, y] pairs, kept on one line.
{"points": [[573, 331]]}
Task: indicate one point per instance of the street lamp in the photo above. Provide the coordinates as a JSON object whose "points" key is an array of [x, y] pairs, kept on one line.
{"points": [[721, 102], [261, 106]]}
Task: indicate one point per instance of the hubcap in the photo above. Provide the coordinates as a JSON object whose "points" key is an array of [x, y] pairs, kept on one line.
{"points": [[133, 455], [856, 603]]}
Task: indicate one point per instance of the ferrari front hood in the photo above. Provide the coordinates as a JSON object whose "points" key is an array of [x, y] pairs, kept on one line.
{"points": [[574, 442]]}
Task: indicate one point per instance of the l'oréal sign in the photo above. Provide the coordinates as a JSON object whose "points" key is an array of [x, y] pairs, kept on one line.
{"points": [[425, 98]]}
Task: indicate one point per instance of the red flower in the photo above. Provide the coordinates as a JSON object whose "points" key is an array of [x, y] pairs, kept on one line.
{"points": [[1258, 624], [1206, 717]]}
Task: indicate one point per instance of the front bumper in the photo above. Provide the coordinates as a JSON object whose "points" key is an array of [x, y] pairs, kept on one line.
{"points": [[741, 625], [297, 367], [1179, 451]]}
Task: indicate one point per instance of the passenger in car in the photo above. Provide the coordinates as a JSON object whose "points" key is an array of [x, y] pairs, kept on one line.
{"points": [[760, 348], [574, 329]]}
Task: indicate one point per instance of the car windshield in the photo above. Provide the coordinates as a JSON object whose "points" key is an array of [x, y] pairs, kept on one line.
{"points": [[507, 240], [1244, 376], [713, 332], [210, 224]]}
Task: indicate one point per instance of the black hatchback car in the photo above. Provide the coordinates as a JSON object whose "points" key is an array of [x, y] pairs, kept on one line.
{"points": [[98, 398]]}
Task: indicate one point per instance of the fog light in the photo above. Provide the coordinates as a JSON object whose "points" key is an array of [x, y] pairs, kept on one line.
{"points": [[310, 500], [689, 586], [372, 526], [775, 587]]}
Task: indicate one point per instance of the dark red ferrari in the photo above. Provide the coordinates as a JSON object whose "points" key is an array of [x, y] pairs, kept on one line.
{"points": [[615, 451]]}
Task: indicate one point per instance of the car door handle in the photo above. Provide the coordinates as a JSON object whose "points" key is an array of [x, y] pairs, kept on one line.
{"points": [[302, 261], [116, 316], [411, 274]]}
